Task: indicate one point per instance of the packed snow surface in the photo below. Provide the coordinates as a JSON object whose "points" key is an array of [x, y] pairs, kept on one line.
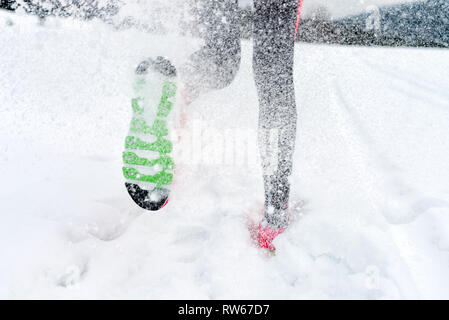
{"points": [[371, 171]]}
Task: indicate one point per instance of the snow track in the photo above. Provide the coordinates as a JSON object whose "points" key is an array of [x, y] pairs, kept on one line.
{"points": [[371, 167]]}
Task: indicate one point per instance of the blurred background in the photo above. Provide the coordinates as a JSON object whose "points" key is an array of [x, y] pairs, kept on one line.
{"points": [[416, 23]]}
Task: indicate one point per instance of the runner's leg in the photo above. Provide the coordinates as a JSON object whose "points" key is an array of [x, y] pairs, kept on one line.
{"points": [[274, 28], [215, 65]]}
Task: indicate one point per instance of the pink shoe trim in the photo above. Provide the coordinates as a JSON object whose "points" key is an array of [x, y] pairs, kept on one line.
{"points": [[266, 236]]}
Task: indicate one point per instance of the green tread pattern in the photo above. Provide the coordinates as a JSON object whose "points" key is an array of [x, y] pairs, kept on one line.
{"points": [[136, 104], [165, 162], [157, 129], [161, 145], [160, 179]]}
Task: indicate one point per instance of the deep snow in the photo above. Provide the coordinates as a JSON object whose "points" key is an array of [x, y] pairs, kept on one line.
{"points": [[371, 166]]}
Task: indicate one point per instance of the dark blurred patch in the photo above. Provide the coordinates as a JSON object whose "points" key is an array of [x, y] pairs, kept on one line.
{"points": [[411, 24], [83, 9], [8, 4], [419, 24]]}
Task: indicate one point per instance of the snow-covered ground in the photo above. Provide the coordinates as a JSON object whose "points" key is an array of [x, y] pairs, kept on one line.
{"points": [[371, 165]]}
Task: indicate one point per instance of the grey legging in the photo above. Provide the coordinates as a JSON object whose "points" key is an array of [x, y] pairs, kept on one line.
{"points": [[216, 64]]}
